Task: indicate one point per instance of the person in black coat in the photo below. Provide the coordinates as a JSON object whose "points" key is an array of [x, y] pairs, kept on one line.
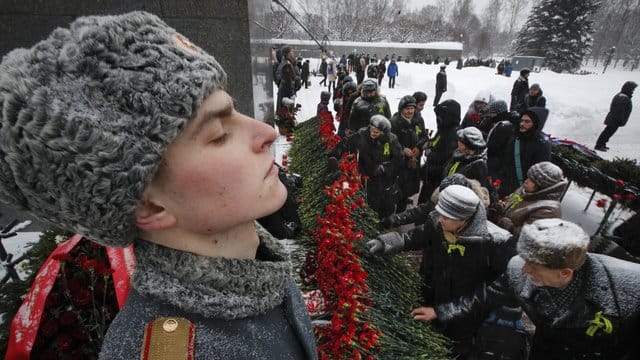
{"points": [[379, 158], [404, 129], [502, 123], [584, 305], [618, 114], [533, 99], [305, 73], [520, 90], [532, 147], [462, 252], [441, 84], [440, 148], [470, 158]]}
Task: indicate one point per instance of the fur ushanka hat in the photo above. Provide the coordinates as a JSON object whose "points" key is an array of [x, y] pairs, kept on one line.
{"points": [[554, 243], [86, 115]]}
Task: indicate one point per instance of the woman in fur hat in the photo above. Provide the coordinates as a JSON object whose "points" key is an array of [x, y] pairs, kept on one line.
{"points": [[470, 157], [126, 135], [538, 198]]}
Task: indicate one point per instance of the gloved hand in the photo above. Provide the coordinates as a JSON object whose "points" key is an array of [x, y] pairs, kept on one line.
{"points": [[389, 221], [332, 164], [380, 170], [388, 244]]}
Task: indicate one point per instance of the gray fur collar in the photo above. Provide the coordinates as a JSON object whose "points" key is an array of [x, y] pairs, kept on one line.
{"points": [[213, 287]]}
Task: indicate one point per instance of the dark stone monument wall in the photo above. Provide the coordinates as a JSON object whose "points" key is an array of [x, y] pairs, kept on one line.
{"points": [[220, 27]]}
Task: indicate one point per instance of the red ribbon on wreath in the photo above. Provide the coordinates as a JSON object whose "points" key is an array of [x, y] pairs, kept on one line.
{"points": [[26, 322]]}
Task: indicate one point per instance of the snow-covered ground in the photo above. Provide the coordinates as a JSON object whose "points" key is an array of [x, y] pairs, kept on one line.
{"points": [[578, 105]]}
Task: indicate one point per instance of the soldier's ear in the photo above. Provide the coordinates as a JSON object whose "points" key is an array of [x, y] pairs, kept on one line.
{"points": [[152, 214]]}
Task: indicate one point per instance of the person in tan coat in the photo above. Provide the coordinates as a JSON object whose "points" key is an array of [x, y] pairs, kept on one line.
{"points": [[538, 198]]}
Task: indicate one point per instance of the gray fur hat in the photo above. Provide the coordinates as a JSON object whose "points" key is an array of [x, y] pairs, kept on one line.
{"points": [[381, 123], [554, 243], [545, 174], [87, 114]]}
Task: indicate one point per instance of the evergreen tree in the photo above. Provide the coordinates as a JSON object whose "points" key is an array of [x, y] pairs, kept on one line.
{"points": [[560, 31]]}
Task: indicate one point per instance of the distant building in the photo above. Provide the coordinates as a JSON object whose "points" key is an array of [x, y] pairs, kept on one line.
{"points": [[533, 63]]}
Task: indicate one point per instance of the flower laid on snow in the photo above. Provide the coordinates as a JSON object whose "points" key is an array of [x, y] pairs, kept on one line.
{"points": [[601, 203]]}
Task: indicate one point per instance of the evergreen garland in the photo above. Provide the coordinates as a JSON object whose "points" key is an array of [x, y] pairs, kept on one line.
{"points": [[393, 284]]}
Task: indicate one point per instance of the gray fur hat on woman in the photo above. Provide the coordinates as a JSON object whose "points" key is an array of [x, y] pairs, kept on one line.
{"points": [[87, 114], [554, 243], [545, 174]]}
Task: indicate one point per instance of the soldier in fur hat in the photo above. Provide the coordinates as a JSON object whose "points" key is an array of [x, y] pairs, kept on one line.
{"points": [[119, 128]]}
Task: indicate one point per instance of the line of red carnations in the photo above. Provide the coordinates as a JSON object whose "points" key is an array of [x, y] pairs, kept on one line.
{"points": [[340, 275]]}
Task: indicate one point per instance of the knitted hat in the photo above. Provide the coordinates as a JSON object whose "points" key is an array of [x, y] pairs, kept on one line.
{"points": [[545, 174], [87, 113], [406, 101], [457, 202], [381, 123], [472, 138], [554, 243], [454, 179], [498, 107]]}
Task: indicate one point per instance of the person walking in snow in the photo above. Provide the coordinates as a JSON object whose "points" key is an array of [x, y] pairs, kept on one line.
{"points": [[392, 73], [462, 252], [520, 90], [537, 198], [618, 115], [304, 74], [441, 84], [120, 161], [583, 305], [381, 69]]}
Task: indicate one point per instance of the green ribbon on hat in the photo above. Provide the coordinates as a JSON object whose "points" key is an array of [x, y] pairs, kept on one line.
{"points": [[452, 247], [599, 322]]}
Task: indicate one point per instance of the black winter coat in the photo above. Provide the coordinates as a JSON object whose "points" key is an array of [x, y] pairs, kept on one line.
{"points": [[610, 286], [408, 136], [443, 143], [533, 101], [450, 275], [362, 110], [441, 82], [380, 159], [518, 92], [620, 109], [533, 148], [471, 166]]}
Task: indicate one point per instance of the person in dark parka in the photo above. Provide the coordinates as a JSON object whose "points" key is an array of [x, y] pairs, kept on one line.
{"points": [[462, 252], [441, 84], [534, 98], [520, 90], [502, 123], [618, 114], [441, 147], [380, 159], [584, 305], [470, 158], [527, 146], [407, 133], [370, 103]]}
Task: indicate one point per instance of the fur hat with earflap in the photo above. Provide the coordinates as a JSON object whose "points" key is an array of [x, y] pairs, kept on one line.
{"points": [[88, 113], [381, 123]]}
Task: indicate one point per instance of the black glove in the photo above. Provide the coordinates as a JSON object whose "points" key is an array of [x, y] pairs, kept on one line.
{"points": [[332, 164], [380, 170], [389, 221], [387, 244]]}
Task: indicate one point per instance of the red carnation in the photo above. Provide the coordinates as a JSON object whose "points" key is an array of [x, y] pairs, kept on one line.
{"points": [[82, 297], [620, 182], [617, 197], [49, 328], [65, 342], [630, 197], [68, 318], [601, 203]]}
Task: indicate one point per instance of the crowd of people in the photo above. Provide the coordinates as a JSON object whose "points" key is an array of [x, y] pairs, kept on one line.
{"points": [[501, 278]]}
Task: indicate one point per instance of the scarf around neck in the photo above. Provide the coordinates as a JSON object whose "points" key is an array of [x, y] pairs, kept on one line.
{"points": [[213, 287]]}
